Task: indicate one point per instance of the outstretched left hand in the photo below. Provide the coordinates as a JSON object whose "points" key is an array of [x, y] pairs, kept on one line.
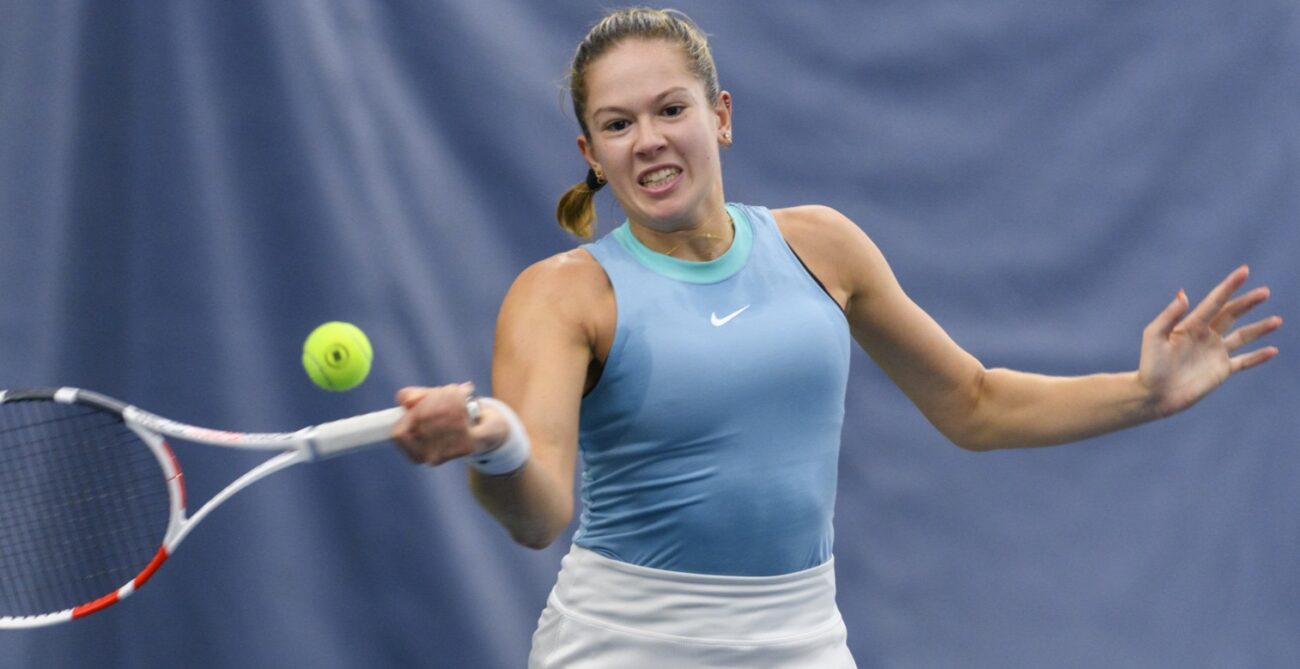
{"points": [[1185, 356]]}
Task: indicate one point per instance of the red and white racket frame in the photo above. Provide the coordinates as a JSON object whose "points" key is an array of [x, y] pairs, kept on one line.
{"points": [[306, 445]]}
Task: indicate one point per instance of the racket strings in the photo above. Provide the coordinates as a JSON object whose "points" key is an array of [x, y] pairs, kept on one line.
{"points": [[67, 533], [83, 506]]}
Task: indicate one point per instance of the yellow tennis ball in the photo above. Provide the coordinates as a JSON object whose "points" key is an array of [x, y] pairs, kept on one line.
{"points": [[337, 356]]}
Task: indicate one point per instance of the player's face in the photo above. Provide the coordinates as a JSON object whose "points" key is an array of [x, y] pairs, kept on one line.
{"points": [[655, 135]]}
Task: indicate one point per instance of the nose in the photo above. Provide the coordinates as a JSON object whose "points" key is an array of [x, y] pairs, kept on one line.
{"points": [[649, 139]]}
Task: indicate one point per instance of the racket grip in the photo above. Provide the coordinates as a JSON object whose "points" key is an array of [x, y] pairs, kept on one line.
{"points": [[340, 436]]}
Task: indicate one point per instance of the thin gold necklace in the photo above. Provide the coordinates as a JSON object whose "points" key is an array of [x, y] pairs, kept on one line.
{"points": [[706, 236]]}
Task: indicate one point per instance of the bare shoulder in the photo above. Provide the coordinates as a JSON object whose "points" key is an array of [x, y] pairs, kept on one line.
{"points": [[812, 223], [573, 272], [832, 246], [566, 289]]}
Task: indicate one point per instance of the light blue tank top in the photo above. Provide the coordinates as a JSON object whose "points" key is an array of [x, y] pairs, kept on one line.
{"points": [[711, 441]]}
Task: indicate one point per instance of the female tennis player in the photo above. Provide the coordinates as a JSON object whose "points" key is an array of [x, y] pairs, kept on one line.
{"points": [[697, 357]]}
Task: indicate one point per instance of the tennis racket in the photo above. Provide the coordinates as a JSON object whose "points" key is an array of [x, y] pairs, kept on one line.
{"points": [[92, 499]]}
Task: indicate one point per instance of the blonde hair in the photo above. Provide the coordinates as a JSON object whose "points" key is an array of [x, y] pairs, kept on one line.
{"points": [[576, 210]]}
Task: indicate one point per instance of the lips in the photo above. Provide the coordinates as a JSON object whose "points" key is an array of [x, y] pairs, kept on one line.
{"points": [[659, 178]]}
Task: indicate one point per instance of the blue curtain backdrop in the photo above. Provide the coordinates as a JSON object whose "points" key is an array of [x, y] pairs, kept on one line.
{"points": [[187, 188]]}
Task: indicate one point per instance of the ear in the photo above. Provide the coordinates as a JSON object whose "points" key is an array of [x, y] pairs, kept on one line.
{"points": [[723, 111], [588, 154]]}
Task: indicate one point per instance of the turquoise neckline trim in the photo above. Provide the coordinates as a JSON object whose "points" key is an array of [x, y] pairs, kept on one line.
{"points": [[694, 271]]}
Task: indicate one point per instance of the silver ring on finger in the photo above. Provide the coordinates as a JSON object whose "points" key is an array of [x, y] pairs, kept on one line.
{"points": [[473, 409]]}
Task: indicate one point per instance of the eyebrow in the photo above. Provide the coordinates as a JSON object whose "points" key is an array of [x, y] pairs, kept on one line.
{"points": [[668, 93]]}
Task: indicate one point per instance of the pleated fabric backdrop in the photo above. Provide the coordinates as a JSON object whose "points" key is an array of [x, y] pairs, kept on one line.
{"points": [[186, 188]]}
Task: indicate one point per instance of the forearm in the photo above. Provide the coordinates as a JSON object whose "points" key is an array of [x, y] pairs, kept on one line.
{"points": [[1018, 409], [529, 503]]}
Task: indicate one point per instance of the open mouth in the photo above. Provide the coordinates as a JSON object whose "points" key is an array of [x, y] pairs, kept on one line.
{"points": [[659, 178]]}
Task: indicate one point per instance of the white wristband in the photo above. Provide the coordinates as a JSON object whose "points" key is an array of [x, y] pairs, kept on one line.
{"points": [[511, 455]]}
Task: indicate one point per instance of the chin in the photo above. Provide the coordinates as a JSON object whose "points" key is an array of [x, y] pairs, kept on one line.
{"points": [[670, 215]]}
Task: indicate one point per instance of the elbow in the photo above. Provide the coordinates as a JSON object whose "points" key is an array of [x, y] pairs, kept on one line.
{"points": [[972, 431], [543, 531], [973, 445], [968, 437], [537, 539], [535, 543]]}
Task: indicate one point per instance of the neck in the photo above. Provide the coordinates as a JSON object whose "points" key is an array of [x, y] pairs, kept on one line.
{"points": [[706, 240]]}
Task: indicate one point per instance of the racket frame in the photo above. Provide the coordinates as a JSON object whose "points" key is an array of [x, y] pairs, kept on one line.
{"points": [[305, 445]]}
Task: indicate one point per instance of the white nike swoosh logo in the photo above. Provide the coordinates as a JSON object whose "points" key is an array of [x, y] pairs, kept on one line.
{"points": [[719, 322]]}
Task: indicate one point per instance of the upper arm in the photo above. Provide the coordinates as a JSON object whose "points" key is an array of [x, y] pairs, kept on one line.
{"points": [[938, 376], [546, 332]]}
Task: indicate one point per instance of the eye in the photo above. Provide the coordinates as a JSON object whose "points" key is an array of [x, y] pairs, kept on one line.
{"points": [[617, 125], [674, 110]]}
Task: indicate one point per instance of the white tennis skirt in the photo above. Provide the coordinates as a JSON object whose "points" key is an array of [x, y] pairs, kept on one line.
{"points": [[606, 614]]}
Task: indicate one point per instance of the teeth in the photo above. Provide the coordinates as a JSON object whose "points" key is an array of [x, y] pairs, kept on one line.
{"points": [[658, 177]]}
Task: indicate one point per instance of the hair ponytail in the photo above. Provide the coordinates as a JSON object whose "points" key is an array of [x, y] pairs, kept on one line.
{"points": [[576, 211]]}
